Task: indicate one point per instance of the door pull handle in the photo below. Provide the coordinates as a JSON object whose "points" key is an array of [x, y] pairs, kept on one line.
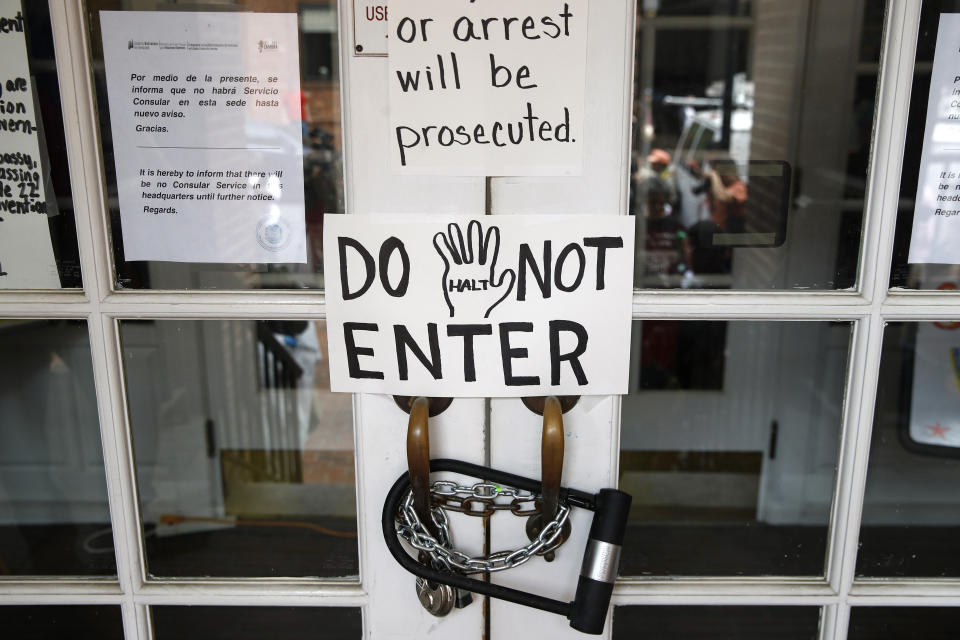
{"points": [[437, 598], [551, 474], [418, 461]]}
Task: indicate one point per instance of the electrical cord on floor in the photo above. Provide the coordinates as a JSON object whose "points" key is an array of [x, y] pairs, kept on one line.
{"points": [[171, 519], [177, 519], [87, 543]]}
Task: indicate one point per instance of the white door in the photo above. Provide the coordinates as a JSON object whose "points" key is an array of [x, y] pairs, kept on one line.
{"points": [[765, 437], [501, 433]]}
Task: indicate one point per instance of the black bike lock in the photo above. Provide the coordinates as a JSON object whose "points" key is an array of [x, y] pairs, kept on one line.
{"points": [[588, 611]]}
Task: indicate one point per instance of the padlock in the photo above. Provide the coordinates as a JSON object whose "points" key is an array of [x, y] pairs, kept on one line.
{"points": [[436, 598], [461, 597]]}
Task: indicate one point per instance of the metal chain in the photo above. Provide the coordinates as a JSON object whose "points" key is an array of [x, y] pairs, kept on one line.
{"points": [[489, 497], [441, 552]]}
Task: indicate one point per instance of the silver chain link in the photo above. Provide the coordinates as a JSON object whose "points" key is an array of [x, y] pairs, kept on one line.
{"points": [[441, 552]]}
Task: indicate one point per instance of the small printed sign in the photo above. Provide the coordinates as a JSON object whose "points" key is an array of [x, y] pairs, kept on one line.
{"points": [[936, 215], [206, 114], [369, 28], [479, 307], [492, 88]]}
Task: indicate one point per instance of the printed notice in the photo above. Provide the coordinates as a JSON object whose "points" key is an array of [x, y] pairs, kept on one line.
{"points": [[479, 307], [26, 252], [492, 88], [207, 135], [936, 215]]}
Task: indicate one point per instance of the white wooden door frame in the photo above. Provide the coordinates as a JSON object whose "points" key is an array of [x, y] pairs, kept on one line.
{"points": [[465, 428]]}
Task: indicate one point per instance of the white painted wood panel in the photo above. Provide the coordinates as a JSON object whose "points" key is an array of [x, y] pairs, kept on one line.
{"points": [[592, 428]]}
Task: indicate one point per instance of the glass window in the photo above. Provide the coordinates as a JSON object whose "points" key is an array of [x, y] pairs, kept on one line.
{"points": [[911, 509], [244, 458], [698, 7], [903, 274], [716, 623], [54, 517], [76, 622], [729, 443], [38, 233], [256, 623], [751, 139], [321, 142], [903, 623]]}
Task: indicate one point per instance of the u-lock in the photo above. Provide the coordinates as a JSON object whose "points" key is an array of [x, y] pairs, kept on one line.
{"points": [[414, 511]]}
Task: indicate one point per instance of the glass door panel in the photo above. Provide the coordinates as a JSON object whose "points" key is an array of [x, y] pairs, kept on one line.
{"points": [[729, 444], [54, 518], [244, 458], [751, 140], [256, 623], [910, 511]]}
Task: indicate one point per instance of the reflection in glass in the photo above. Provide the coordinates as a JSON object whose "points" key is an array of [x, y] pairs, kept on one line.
{"points": [[729, 441], [71, 621], [322, 153], [715, 623], [54, 517], [911, 505], [903, 623], [44, 82], [244, 458], [751, 138], [256, 623], [903, 274]]}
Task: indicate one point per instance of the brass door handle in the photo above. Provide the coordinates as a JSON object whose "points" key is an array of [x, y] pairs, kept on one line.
{"points": [[551, 474], [551, 456], [418, 461]]}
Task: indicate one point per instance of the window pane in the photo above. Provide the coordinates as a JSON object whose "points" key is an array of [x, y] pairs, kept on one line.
{"points": [[321, 141], [244, 458], [716, 623], [911, 511], [700, 7], [752, 127], [54, 517], [75, 622], [903, 623], [903, 274], [728, 444], [38, 234], [256, 623]]}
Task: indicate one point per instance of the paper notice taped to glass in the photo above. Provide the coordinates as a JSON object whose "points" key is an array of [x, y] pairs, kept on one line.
{"points": [[936, 216], [26, 251], [205, 111]]}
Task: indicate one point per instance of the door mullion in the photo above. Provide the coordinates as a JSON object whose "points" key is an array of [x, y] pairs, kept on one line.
{"points": [[896, 78], [834, 621], [75, 76], [886, 156]]}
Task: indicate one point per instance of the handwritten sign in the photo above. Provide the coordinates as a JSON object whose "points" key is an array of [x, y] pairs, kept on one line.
{"points": [[479, 307], [207, 135], [936, 214], [26, 251], [492, 88]]}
